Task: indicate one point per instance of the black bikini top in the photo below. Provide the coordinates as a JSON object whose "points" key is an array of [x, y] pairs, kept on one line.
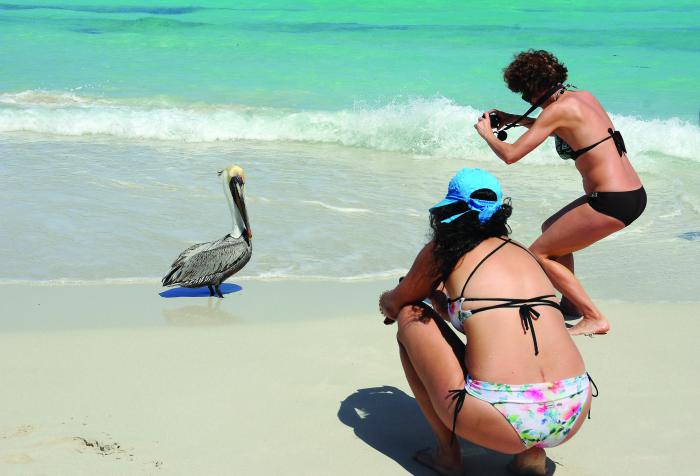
{"points": [[563, 149], [525, 306], [566, 152]]}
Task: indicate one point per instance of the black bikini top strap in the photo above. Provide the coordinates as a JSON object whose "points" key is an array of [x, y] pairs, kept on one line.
{"points": [[526, 310], [505, 242], [517, 301], [513, 243], [577, 153], [614, 135], [521, 247]]}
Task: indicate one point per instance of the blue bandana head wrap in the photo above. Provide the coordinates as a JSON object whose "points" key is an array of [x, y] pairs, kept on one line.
{"points": [[463, 184]]}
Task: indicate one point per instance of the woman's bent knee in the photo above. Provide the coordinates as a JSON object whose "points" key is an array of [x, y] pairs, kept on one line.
{"points": [[550, 221], [546, 224], [409, 317]]}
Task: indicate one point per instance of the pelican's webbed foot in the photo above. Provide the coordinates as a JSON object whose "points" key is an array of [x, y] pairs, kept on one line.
{"points": [[218, 291], [211, 290]]}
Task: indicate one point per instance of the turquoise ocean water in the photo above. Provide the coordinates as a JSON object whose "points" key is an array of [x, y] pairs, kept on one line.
{"points": [[349, 118]]}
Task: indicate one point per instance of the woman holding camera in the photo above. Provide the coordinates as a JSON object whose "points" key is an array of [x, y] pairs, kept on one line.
{"points": [[583, 132], [521, 385]]}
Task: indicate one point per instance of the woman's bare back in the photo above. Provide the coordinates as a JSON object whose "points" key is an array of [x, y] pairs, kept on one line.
{"points": [[498, 347]]}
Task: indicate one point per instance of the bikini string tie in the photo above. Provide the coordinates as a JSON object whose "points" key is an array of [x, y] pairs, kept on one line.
{"points": [[527, 312], [457, 396], [619, 141], [593, 395]]}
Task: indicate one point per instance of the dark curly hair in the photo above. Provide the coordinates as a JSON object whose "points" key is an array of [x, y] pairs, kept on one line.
{"points": [[452, 240], [533, 71]]}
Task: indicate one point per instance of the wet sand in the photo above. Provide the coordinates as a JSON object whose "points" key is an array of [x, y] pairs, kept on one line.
{"points": [[292, 378]]}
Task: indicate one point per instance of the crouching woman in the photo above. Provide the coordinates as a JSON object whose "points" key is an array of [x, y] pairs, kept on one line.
{"points": [[520, 385]]}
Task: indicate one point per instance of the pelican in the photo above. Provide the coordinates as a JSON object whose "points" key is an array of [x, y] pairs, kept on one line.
{"points": [[213, 262]]}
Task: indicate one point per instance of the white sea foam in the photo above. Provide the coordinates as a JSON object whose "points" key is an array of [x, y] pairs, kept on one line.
{"points": [[275, 275], [424, 126], [337, 209], [281, 275], [80, 282], [44, 98], [670, 137]]}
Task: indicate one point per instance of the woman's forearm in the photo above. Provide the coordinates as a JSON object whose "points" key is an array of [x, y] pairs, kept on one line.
{"points": [[418, 284], [503, 150], [525, 121]]}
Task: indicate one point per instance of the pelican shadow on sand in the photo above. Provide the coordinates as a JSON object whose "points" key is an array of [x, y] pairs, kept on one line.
{"points": [[390, 421], [226, 288]]}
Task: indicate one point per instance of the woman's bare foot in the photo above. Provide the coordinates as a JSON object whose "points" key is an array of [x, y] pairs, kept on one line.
{"points": [[590, 326], [530, 462], [444, 462]]}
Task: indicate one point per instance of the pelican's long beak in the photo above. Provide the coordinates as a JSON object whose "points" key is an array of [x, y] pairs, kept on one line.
{"points": [[237, 186]]}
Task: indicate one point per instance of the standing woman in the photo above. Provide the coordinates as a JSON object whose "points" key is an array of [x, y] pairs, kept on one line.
{"points": [[583, 132]]}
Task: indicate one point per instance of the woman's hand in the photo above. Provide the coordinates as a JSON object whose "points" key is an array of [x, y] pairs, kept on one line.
{"points": [[418, 283], [388, 308], [503, 117], [483, 126]]}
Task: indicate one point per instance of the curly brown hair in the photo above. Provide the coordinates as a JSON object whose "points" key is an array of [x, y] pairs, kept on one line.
{"points": [[533, 71]]}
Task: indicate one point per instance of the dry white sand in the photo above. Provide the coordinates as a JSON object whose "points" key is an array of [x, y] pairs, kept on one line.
{"points": [[294, 379]]}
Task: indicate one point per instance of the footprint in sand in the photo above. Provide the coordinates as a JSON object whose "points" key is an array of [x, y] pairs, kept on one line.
{"points": [[99, 447], [17, 458], [19, 431]]}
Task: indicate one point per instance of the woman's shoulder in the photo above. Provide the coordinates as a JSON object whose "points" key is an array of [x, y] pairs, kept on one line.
{"points": [[580, 99], [568, 110], [469, 260], [580, 108], [516, 257], [485, 248], [580, 93]]}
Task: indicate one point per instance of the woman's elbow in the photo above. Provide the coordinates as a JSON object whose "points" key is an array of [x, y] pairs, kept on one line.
{"points": [[509, 159]]}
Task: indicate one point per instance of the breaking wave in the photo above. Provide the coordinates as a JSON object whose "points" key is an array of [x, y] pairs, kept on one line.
{"points": [[425, 126]]}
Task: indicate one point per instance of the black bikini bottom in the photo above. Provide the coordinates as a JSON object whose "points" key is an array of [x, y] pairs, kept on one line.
{"points": [[625, 206]]}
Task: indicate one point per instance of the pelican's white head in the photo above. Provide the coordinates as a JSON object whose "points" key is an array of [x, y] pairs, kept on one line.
{"points": [[234, 171], [234, 188]]}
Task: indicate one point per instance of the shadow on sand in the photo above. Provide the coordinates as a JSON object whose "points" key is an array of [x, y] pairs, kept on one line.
{"points": [[391, 422], [226, 288]]}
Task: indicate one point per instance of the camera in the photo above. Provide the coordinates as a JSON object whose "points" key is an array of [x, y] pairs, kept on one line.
{"points": [[495, 120]]}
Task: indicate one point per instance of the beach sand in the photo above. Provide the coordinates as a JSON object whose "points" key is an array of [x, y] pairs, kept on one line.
{"points": [[292, 378]]}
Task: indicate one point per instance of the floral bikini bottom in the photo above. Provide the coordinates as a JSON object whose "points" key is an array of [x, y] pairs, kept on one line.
{"points": [[542, 414]]}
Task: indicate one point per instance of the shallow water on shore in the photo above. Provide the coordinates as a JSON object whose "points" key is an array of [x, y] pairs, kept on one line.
{"points": [[102, 209]]}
